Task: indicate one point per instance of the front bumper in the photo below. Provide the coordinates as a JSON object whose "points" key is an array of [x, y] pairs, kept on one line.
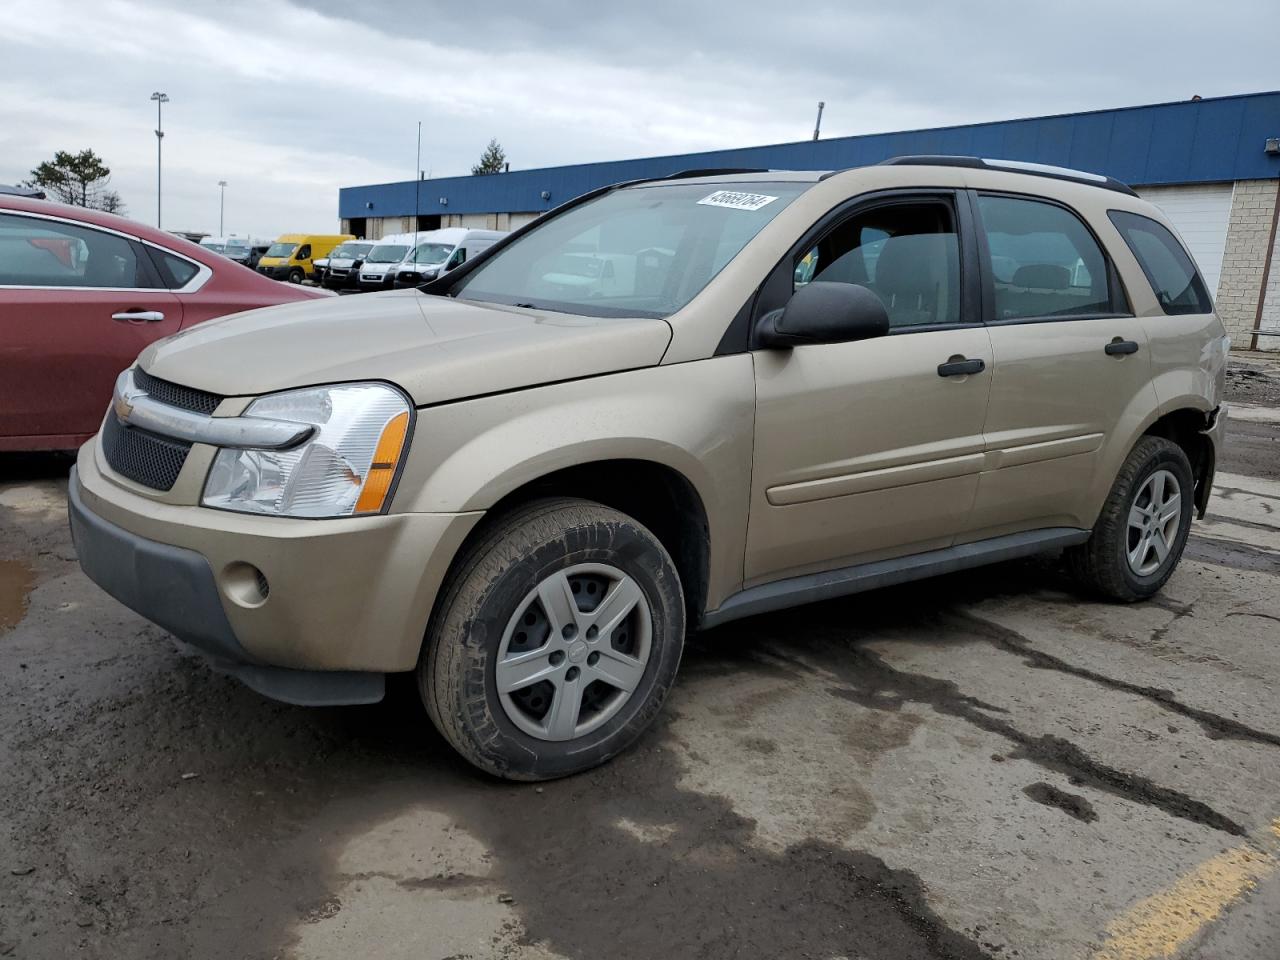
{"points": [[275, 273], [347, 601]]}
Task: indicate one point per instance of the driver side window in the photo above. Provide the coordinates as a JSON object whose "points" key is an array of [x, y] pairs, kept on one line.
{"points": [[907, 254], [304, 252]]}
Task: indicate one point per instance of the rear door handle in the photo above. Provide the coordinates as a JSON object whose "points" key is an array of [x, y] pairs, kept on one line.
{"points": [[960, 367], [139, 316], [1120, 348]]}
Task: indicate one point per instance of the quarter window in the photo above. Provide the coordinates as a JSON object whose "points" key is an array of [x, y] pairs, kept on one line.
{"points": [[1169, 269], [50, 253], [905, 253], [175, 272], [1044, 262]]}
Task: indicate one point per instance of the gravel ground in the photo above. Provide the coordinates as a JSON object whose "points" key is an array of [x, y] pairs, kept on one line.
{"points": [[984, 765]]}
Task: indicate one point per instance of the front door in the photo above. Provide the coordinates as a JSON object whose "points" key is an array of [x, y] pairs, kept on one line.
{"points": [[872, 449], [1072, 368], [77, 305]]}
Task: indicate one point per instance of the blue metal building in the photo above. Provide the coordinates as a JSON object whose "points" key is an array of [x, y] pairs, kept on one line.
{"points": [[1212, 164]]}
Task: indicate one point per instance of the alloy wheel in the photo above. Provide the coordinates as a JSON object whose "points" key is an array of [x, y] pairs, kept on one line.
{"points": [[1154, 520]]}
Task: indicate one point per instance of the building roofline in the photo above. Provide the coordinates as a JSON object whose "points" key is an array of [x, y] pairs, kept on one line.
{"points": [[914, 131]]}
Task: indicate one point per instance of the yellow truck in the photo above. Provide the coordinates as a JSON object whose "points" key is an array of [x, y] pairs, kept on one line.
{"points": [[292, 256]]}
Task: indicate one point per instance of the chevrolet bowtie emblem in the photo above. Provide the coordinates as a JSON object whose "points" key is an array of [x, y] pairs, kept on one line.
{"points": [[122, 407]]}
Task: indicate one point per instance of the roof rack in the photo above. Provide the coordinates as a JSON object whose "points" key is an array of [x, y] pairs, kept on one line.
{"points": [[712, 172], [1015, 166]]}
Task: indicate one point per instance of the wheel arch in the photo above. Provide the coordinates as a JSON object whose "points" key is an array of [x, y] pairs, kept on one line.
{"points": [[655, 494], [1188, 428]]}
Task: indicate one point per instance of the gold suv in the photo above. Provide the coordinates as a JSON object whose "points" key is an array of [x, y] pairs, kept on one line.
{"points": [[660, 407]]}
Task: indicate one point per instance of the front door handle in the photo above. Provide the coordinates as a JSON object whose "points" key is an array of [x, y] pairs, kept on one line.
{"points": [[139, 316], [958, 366], [1120, 347]]}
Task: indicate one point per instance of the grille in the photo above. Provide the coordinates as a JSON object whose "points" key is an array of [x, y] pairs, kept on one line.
{"points": [[143, 457], [176, 396]]}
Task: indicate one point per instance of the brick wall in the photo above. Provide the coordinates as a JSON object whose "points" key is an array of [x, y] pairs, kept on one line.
{"points": [[1248, 236]]}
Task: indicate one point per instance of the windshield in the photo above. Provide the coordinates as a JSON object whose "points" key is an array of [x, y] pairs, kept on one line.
{"points": [[391, 253], [349, 251], [280, 249], [432, 252], [214, 246], [638, 252]]}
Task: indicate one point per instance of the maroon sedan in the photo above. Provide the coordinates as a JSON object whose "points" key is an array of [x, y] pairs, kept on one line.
{"points": [[81, 294]]}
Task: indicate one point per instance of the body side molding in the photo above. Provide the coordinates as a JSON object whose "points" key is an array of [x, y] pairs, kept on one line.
{"points": [[883, 573]]}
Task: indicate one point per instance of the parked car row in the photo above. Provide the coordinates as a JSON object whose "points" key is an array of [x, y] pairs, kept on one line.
{"points": [[246, 250], [403, 260]]}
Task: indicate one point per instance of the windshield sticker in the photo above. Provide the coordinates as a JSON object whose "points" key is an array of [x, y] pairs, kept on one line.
{"points": [[737, 201]]}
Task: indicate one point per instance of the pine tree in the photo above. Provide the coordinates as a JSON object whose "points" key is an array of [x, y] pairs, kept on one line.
{"points": [[492, 161]]}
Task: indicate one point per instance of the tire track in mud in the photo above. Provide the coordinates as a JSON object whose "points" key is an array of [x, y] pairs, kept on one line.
{"points": [[870, 682], [1215, 726]]}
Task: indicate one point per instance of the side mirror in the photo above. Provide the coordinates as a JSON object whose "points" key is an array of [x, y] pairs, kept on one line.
{"points": [[824, 312]]}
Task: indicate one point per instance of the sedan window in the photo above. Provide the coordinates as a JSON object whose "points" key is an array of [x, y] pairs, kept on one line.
{"points": [[51, 253]]}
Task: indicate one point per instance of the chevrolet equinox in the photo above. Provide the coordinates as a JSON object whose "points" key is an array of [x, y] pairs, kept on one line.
{"points": [[662, 406]]}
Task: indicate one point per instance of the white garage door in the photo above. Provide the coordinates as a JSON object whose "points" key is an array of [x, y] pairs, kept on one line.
{"points": [[1201, 213]]}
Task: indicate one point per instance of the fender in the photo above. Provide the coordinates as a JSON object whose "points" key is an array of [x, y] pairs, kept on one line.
{"points": [[696, 418]]}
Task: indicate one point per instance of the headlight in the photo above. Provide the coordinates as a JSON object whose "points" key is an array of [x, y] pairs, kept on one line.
{"points": [[347, 466]]}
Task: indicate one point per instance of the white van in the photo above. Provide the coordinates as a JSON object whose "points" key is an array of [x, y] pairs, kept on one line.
{"points": [[383, 259], [439, 251]]}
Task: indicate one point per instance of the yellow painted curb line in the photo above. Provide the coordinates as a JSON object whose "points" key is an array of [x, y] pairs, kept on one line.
{"points": [[1162, 924]]}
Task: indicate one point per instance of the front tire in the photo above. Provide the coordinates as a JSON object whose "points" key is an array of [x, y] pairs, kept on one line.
{"points": [[555, 642], [1143, 528], [295, 275]]}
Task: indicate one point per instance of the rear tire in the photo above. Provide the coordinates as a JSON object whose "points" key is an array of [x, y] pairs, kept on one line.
{"points": [[555, 642], [1140, 535]]}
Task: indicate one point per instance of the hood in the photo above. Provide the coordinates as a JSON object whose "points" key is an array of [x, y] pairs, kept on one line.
{"points": [[435, 348], [272, 261]]}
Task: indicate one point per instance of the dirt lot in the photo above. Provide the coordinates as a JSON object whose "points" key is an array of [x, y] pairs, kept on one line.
{"points": [[979, 766]]}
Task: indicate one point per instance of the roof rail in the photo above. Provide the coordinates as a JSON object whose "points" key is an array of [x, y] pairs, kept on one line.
{"points": [[1014, 166], [712, 172]]}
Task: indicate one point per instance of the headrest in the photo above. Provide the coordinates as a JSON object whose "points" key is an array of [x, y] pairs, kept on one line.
{"points": [[1042, 276]]}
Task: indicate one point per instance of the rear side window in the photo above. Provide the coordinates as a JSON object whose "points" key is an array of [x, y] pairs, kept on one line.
{"points": [[1170, 270], [1044, 262], [51, 253], [175, 272]]}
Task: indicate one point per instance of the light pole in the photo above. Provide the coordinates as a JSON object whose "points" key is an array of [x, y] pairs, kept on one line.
{"points": [[417, 184], [222, 204], [817, 127], [161, 99]]}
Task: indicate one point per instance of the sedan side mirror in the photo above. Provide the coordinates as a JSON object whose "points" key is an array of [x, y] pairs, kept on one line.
{"points": [[824, 312]]}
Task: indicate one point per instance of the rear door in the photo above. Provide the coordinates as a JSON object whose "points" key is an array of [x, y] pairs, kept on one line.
{"points": [[77, 305], [872, 449], [1188, 349], [1072, 376]]}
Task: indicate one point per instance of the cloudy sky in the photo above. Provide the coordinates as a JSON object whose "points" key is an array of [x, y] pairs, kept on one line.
{"points": [[288, 100]]}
